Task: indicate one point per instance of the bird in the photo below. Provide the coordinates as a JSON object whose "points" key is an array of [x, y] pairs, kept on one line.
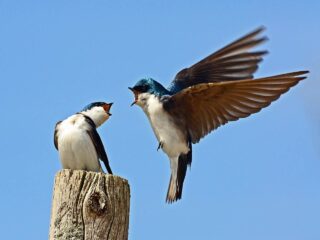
{"points": [[214, 91], [78, 142]]}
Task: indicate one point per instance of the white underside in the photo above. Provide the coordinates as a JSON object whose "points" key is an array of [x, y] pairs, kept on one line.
{"points": [[75, 146], [173, 140]]}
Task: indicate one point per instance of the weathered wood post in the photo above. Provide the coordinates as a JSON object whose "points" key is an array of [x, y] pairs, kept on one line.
{"points": [[89, 205]]}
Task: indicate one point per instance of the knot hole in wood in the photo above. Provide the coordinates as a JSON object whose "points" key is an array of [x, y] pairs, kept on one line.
{"points": [[97, 203]]}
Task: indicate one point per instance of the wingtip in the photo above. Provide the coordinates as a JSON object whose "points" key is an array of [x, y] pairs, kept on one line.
{"points": [[258, 30], [305, 72], [263, 28], [264, 52], [300, 73]]}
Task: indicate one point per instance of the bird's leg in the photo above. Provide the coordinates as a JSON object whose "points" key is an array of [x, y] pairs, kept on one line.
{"points": [[160, 145]]}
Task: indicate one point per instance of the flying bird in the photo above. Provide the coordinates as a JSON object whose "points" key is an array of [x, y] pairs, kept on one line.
{"points": [[78, 142], [218, 89]]}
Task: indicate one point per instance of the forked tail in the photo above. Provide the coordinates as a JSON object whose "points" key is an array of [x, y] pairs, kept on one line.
{"points": [[178, 173]]}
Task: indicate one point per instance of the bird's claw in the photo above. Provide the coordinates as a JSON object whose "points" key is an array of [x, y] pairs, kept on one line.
{"points": [[160, 145]]}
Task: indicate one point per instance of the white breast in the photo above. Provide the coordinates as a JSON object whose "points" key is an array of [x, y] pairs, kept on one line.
{"points": [[75, 146], [174, 142]]}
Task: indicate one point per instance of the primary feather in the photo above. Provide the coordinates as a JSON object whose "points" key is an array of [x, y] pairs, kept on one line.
{"points": [[206, 106], [233, 62]]}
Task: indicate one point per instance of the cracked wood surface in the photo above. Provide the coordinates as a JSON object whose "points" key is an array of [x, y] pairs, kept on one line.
{"points": [[89, 205]]}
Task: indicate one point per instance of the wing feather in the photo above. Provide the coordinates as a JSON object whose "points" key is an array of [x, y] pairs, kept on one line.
{"points": [[233, 62], [95, 138], [55, 136], [206, 106]]}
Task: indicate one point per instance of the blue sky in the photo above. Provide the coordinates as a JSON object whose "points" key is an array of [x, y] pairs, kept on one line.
{"points": [[257, 178]]}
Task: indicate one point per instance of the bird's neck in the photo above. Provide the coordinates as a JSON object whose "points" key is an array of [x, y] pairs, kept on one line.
{"points": [[97, 118], [159, 90]]}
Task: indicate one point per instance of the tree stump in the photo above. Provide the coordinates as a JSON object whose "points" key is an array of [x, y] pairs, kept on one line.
{"points": [[89, 205]]}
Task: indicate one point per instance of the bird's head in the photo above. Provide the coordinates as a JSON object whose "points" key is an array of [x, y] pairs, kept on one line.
{"points": [[145, 88], [99, 112]]}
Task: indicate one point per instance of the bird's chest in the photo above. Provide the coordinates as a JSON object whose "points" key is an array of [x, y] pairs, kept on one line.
{"points": [[165, 129], [72, 129], [161, 123]]}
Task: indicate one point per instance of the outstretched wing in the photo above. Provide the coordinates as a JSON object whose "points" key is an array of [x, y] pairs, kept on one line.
{"points": [[233, 62], [95, 138], [206, 106]]}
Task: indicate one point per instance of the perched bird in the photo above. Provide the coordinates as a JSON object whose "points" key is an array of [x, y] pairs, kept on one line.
{"points": [[78, 142], [218, 89]]}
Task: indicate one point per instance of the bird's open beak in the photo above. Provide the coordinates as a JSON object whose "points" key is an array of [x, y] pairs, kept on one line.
{"points": [[107, 107], [136, 93]]}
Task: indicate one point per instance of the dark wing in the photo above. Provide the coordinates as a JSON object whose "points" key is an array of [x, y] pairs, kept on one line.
{"points": [[204, 107], [92, 132], [233, 62], [55, 136]]}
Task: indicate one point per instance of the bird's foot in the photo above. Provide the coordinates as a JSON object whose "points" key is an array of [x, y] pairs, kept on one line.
{"points": [[160, 145]]}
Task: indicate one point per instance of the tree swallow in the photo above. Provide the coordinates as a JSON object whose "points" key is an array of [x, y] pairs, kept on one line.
{"points": [[78, 141], [218, 89]]}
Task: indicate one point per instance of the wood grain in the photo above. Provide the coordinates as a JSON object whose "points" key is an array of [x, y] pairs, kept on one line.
{"points": [[89, 205]]}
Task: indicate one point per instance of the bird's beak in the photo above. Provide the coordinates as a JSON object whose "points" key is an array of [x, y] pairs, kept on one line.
{"points": [[107, 108], [136, 93]]}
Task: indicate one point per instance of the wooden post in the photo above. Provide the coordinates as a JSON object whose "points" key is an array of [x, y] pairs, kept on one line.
{"points": [[89, 205]]}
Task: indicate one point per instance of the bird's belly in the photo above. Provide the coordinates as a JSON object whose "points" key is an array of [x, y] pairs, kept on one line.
{"points": [[77, 151], [172, 138]]}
